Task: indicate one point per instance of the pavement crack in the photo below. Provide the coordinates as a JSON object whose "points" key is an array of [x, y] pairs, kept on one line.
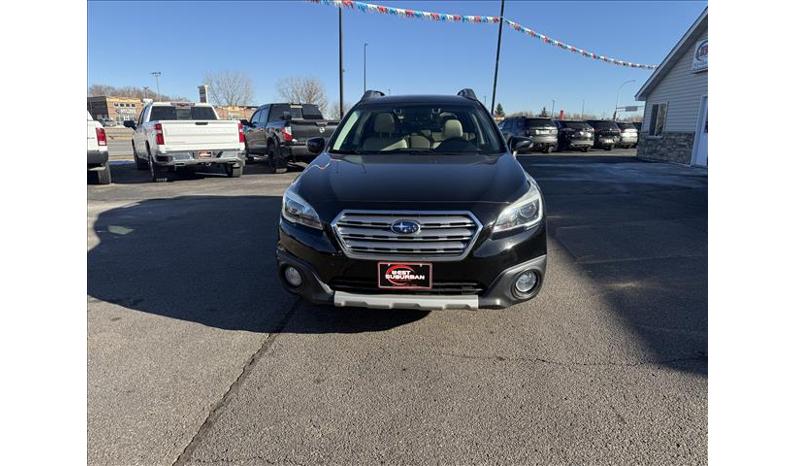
{"points": [[216, 410], [698, 357]]}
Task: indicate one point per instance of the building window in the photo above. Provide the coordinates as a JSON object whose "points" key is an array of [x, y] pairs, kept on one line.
{"points": [[658, 119]]}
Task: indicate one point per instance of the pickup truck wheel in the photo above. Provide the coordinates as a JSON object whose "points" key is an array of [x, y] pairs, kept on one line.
{"points": [[139, 164], [233, 171], [158, 174], [104, 175], [274, 165]]}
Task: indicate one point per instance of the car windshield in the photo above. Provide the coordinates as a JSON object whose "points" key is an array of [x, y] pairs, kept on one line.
{"points": [[432, 129], [181, 112], [626, 125]]}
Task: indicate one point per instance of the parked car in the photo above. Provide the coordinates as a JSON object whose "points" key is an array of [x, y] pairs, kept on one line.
{"points": [[97, 150], [180, 135], [543, 131], [416, 202], [606, 133], [629, 135], [575, 135], [278, 133]]}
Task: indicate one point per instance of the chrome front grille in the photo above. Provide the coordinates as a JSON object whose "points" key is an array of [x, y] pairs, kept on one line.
{"points": [[442, 235]]}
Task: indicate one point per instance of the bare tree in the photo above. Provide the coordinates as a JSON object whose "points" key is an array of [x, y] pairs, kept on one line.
{"points": [[307, 90], [229, 88], [334, 110]]}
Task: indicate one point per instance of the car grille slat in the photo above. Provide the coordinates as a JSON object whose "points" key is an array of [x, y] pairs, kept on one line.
{"points": [[442, 235]]}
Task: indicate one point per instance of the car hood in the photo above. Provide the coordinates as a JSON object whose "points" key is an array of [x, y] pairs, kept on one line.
{"points": [[331, 183]]}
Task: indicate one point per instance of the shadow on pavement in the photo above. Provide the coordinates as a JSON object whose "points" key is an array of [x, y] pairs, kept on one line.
{"points": [[638, 231], [210, 260], [125, 172]]}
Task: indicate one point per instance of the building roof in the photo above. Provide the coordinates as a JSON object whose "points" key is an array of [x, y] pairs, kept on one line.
{"points": [[688, 39]]}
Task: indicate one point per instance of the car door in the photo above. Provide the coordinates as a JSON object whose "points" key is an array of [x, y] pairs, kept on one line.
{"points": [[253, 139], [139, 137]]}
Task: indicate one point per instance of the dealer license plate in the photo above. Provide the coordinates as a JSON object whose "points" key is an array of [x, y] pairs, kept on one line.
{"points": [[404, 275]]}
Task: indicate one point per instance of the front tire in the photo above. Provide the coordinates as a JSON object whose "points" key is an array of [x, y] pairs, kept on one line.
{"points": [[275, 165], [139, 164]]}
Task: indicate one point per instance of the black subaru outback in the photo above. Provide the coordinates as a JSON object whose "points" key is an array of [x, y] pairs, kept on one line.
{"points": [[415, 202]]}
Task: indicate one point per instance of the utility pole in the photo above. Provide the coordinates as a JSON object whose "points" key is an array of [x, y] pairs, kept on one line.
{"points": [[365, 68], [340, 52], [146, 92], [582, 108], [157, 74], [553, 110], [617, 95], [497, 58]]}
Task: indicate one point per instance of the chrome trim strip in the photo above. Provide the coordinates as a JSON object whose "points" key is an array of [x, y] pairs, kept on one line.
{"points": [[410, 215], [393, 301]]}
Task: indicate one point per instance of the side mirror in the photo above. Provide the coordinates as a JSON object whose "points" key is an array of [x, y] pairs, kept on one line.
{"points": [[316, 145], [287, 116], [519, 143], [245, 122], [129, 124]]}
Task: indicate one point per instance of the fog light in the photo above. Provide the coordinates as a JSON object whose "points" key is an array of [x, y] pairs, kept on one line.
{"points": [[292, 276], [526, 282]]}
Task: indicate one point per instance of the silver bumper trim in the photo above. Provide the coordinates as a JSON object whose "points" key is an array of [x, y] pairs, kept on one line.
{"points": [[395, 301]]}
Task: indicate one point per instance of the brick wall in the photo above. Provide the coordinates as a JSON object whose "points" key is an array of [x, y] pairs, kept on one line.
{"points": [[669, 147]]}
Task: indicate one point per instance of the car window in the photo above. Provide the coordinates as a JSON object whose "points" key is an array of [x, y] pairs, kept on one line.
{"points": [[575, 125], [419, 129], [181, 112], [537, 122]]}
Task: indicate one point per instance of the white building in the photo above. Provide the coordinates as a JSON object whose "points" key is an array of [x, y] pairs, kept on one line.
{"points": [[675, 124]]}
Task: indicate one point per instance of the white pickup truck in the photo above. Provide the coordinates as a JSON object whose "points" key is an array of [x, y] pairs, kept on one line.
{"points": [[172, 135], [97, 150]]}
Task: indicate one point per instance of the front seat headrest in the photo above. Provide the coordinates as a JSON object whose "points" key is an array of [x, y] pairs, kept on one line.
{"points": [[452, 129], [384, 123]]}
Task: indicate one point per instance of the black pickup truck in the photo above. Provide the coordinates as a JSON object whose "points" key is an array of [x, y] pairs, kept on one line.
{"points": [[278, 133]]}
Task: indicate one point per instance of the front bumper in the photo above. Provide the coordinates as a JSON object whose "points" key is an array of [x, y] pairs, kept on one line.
{"points": [[492, 266]]}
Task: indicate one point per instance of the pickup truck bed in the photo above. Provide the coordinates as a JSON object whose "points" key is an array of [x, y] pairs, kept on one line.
{"points": [[172, 136]]}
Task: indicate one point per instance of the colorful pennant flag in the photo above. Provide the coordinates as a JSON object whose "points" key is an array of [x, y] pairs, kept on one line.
{"points": [[431, 16]]}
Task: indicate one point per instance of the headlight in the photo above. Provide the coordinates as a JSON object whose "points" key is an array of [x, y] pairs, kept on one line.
{"points": [[522, 214], [297, 210]]}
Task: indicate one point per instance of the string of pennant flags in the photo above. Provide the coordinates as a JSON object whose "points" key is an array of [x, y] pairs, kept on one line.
{"points": [[475, 19]]}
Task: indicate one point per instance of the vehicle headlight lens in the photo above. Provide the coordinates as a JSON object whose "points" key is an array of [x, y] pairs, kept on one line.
{"points": [[522, 214], [297, 210]]}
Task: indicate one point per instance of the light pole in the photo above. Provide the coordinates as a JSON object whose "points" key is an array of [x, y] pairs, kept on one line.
{"points": [[157, 74], [553, 110], [497, 59], [340, 56], [365, 68], [146, 92], [582, 108], [616, 107]]}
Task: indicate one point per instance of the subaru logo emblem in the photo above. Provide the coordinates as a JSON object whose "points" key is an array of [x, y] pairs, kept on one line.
{"points": [[405, 227], [321, 129]]}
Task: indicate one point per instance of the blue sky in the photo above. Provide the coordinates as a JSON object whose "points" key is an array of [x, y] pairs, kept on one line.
{"points": [[271, 40]]}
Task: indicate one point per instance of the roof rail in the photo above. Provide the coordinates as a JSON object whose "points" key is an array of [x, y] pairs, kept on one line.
{"points": [[369, 94], [468, 93]]}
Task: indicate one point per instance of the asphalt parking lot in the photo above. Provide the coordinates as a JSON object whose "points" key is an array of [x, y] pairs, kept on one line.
{"points": [[197, 356]]}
